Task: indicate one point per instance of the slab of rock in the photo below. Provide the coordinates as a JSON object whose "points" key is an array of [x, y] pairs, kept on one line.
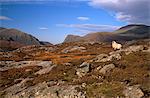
{"points": [[42, 90], [74, 48], [5, 65], [45, 70], [107, 68], [83, 69], [133, 92]]}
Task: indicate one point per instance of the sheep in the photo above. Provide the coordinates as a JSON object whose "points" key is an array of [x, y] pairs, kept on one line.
{"points": [[116, 46]]}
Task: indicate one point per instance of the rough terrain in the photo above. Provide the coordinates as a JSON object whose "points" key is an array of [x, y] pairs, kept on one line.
{"points": [[76, 70]]}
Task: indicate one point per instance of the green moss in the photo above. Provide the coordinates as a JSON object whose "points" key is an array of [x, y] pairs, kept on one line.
{"points": [[107, 89]]}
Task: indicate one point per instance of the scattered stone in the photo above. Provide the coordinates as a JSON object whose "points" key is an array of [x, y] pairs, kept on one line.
{"points": [[132, 49], [133, 92], [67, 64], [106, 58], [84, 68], [107, 68]]}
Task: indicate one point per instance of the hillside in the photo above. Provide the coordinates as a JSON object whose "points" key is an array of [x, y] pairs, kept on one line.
{"points": [[126, 33], [12, 39], [76, 70]]}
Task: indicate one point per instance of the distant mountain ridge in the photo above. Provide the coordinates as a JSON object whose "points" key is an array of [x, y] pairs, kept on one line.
{"points": [[125, 33], [12, 38], [18, 36]]}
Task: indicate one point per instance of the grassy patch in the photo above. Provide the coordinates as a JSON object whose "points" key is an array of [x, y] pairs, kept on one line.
{"points": [[107, 89]]}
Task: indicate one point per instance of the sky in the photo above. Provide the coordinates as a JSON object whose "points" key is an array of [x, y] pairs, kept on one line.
{"points": [[53, 20]]}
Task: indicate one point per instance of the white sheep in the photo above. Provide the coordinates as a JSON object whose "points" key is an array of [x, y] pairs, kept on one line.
{"points": [[116, 45]]}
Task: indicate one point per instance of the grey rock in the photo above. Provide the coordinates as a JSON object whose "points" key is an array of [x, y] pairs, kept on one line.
{"points": [[73, 48], [42, 90], [12, 64], [84, 68], [133, 92], [132, 49], [107, 68], [106, 58]]}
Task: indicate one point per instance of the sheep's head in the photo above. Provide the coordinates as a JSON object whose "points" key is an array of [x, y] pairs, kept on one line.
{"points": [[113, 42]]}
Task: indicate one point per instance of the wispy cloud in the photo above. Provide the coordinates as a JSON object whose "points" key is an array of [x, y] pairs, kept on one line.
{"points": [[5, 18], [40, 1], [90, 27], [83, 18], [43, 28], [130, 11]]}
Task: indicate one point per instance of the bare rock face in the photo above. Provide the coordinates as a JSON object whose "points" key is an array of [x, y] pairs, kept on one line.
{"points": [[42, 90], [84, 68], [107, 68], [133, 92]]}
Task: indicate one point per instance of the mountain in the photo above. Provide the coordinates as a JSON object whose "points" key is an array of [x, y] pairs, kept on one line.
{"points": [[71, 38], [12, 38], [134, 29], [126, 33], [18, 36]]}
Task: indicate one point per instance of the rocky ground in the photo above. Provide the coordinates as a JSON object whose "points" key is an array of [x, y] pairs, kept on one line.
{"points": [[76, 70]]}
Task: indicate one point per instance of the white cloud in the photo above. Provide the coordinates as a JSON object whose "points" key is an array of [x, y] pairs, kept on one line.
{"points": [[43, 28], [83, 18], [90, 27], [5, 18], [130, 11]]}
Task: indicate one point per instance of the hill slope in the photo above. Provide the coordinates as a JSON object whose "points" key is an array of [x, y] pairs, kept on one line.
{"points": [[126, 33], [18, 36], [11, 39]]}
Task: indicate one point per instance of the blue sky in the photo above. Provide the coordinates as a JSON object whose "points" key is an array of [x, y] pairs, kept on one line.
{"points": [[53, 20]]}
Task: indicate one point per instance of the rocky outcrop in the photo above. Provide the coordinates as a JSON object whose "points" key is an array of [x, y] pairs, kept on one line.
{"points": [[106, 57], [43, 90]]}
